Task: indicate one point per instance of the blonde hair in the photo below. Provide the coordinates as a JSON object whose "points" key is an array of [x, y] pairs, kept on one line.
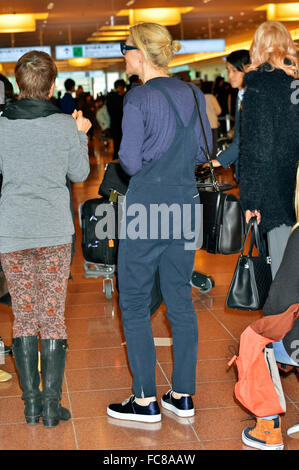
{"points": [[296, 201], [273, 43], [156, 43]]}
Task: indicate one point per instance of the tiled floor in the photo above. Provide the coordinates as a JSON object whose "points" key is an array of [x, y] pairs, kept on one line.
{"points": [[97, 371]]}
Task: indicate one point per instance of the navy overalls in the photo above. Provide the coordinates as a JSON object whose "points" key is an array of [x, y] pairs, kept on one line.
{"points": [[168, 180]]}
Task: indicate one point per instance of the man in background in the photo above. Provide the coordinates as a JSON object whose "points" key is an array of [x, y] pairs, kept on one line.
{"points": [[115, 109], [67, 104]]}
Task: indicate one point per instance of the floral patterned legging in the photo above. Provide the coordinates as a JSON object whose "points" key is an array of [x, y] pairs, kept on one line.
{"points": [[37, 282]]}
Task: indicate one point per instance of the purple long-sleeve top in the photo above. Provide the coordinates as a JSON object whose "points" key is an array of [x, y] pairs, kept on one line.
{"points": [[149, 123]]}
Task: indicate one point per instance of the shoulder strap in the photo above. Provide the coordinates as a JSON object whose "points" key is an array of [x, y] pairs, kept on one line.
{"points": [[206, 150]]}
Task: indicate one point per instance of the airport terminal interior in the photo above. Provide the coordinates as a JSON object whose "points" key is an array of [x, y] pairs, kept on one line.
{"points": [[82, 38]]}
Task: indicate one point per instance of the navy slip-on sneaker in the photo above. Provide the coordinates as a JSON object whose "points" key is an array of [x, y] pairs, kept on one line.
{"points": [[131, 411], [181, 407]]}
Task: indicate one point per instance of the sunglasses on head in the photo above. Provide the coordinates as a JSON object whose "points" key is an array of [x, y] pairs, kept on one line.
{"points": [[124, 48]]}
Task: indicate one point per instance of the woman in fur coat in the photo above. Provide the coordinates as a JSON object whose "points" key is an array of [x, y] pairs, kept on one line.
{"points": [[269, 144]]}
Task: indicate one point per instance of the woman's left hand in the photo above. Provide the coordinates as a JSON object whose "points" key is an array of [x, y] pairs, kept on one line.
{"points": [[255, 213], [215, 164]]}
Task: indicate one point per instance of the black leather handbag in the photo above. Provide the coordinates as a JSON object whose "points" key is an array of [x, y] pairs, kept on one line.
{"points": [[223, 217], [115, 181], [252, 277]]}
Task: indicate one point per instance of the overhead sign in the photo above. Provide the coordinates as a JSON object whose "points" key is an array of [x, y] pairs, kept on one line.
{"points": [[107, 50], [110, 50], [13, 54], [198, 46]]}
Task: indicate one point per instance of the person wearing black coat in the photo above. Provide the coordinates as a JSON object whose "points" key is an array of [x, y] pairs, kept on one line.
{"points": [[115, 100], [280, 323], [269, 153], [235, 64], [269, 142]]}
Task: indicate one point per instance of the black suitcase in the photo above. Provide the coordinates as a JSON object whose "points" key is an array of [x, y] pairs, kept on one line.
{"points": [[95, 250], [105, 251]]}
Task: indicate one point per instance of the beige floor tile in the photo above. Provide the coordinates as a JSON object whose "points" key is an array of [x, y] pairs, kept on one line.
{"points": [[110, 433], [104, 378], [25, 437]]}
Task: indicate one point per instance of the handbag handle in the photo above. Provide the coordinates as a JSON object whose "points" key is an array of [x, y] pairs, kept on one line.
{"points": [[255, 238], [206, 150]]}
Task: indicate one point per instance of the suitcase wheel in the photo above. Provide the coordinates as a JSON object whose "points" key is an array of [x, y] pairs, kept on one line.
{"points": [[202, 282], [108, 289]]}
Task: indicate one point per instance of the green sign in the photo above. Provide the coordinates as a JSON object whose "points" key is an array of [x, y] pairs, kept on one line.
{"points": [[78, 51]]}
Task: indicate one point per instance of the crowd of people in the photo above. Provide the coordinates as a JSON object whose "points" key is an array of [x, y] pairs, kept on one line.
{"points": [[156, 132], [105, 111]]}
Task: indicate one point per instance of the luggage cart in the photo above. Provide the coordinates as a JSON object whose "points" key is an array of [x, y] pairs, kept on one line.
{"points": [[96, 270], [198, 280], [106, 271]]}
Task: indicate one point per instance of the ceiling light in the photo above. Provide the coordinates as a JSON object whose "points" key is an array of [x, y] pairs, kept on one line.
{"points": [[106, 38], [281, 11], [163, 16], [50, 6], [80, 62], [122, 27], [20, 23], [110, 33]]}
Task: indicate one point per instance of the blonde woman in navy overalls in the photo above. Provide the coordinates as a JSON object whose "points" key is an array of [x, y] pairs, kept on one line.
{"points": [[161, 145]]}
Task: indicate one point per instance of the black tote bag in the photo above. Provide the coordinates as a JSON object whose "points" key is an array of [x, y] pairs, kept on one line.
{"points": [[252, 277], [223, 217], [115, 181]]}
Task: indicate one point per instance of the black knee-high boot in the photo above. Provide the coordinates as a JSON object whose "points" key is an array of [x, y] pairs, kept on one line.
{"points": [[53, 365], [25, 351]]}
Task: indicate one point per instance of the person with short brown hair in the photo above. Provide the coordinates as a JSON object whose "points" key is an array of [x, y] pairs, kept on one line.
{"points": [[40, 148], [35, 73]]}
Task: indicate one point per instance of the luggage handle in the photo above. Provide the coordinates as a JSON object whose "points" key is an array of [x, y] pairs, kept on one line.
{"points": [[205, 151]]}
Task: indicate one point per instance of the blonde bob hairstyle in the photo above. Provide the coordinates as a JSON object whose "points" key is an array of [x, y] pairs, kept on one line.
{"points": [[156, 43], [296, 201], [272, 43]]}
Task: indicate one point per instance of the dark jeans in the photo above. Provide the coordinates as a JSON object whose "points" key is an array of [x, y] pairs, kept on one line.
{"points": [[138, 261]]}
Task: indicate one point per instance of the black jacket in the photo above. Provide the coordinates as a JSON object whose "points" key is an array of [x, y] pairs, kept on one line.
{"points": [[284, 290], [269, 146], [114, 104]]}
